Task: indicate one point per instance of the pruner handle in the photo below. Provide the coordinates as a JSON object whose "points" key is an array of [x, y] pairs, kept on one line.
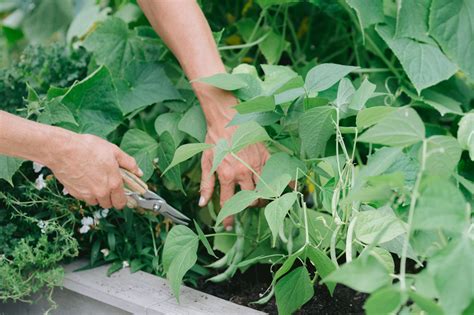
{"points": [[132, 184]]}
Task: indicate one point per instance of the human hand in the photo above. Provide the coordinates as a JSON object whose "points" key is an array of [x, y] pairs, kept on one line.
{"points": [[88, 167], [230, 172]]}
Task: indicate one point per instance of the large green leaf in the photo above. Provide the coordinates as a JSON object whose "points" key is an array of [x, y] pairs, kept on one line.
{"points": [[362, 95], [179, 255], [365, 274], [143, 84], [324, 265], [247, 134], [55, 113], [94, 104], [325, 75], [186, 152], [441, 205], [442, 155], [143, 148], [401, 128], [257, 105], [442, 103], [315, 128], [424, 64], [293, 291], [452, 27], [276, 211], [466, 134], [115, 46], [237, 203], [225, 81], [412, 20], [168, 122], [453, 274], [8, 167], [193, 123], [166, 151], [273, 46], [370, 116], [381, 224]]}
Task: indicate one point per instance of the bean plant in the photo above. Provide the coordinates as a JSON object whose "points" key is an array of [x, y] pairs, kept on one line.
{"points": [[365, 106]]}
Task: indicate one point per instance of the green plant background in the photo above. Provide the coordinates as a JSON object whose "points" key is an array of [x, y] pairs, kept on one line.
{"points": [[366, 105]]}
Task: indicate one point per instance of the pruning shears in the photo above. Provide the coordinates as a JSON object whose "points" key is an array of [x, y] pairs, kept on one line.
{"points": [[139, 196]]}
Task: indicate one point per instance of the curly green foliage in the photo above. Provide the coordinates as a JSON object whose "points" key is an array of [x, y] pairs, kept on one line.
{"points": [[41, 67]]}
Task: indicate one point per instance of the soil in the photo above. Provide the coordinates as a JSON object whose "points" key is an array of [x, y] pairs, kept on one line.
{"points": [[246, 288]]}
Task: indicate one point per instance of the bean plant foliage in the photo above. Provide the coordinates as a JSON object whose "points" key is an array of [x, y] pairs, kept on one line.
{"points": [[365, 106]]}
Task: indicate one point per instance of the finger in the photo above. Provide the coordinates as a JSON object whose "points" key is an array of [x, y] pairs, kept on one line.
{"points": [[91, 201], [247, 183], [207, 180], [227, 191], [105, 201], [127, 162], [118, 198]]}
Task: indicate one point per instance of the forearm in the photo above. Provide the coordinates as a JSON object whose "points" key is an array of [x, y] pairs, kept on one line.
{"points": [[183, 27], [29, 140]]}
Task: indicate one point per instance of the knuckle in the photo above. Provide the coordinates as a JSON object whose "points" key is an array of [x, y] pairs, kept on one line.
{"points": [[226, 175], [116, 184]]}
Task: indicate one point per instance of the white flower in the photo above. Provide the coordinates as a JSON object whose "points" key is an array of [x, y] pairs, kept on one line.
{"points": [[105, 252], [125, 264], [104, 213], [40, 183], [37, 167], [87, 221], [101, 214], [42, 225], [65, 192], [84, 229]]}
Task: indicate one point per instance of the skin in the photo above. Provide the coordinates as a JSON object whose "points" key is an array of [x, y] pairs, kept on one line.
{"points": [[184, 28], [86, 165]]}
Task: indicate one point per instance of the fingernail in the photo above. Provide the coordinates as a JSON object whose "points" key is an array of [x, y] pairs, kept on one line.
{"points": [[140, 172], [229, 228], [202, 201]]}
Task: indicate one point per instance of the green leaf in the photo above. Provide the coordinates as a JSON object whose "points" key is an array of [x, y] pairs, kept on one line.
{"points": [[362, 95], [236, 204], [325, 75], [293, 291], [401, 128], [257, 105], [441, 205], [89, 14], [276, 77], [185, 152], [364, 274], [93, 102], [368, 117], [166, 151], [8, 167], [324, 265], [34, 26], [454, 275], [55, 113], [451, 26], [263, 119], [143, 148], [203, 239], [424, 64], [273, 46], [315, 128], [194, 124], [384, 301], [225, 81], [442, 103], [345, 91], [281, 163], [442, 155], [381, 223], [115, 46], [116, 266], [275, 187], [179, 255], [267, 3], [426, 304], [220, 151], [168, 122], [276, 211], [248, 134], [143, 84], [412, 20], [466, 134], [369, 12]]}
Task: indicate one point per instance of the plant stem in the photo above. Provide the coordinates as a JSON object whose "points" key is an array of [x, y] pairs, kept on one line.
{"points": [[413, 200]]}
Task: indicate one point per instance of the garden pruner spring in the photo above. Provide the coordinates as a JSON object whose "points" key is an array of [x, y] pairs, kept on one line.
{"points": [[139, 196]]}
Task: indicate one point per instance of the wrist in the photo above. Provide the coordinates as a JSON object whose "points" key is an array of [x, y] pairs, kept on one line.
{"points": [[56, 144]]}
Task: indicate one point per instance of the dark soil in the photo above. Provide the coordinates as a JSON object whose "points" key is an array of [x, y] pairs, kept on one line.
{"points": [[246, 288]]}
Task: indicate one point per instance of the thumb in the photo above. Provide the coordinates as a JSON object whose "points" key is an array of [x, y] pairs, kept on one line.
{"points": [[127, 162], [207, 179]]}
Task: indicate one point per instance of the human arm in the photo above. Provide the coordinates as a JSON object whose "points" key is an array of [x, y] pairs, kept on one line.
{"points": [[183, 27], [86, 165]]}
